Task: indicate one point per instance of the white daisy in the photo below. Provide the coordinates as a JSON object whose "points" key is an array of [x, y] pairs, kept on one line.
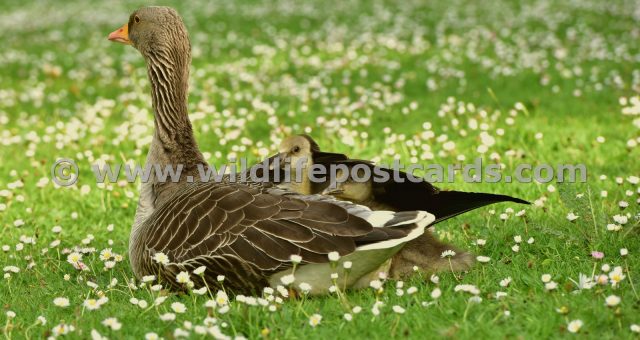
{"points": [[61, 302], [91, 304], [161, 258], [572, 217], [398, 309], [448, 253], [183, 277], [287, 279], [200, 270], [574, 326], [612, 300], [178, 307], [296, 258], [334, 256], [314, 320]]}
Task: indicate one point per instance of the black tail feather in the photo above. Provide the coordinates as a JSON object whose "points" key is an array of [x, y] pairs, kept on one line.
{"points": [[448, 204]]}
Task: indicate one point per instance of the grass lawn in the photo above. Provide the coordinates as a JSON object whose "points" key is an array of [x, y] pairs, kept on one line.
{"points": [[537, 82]]}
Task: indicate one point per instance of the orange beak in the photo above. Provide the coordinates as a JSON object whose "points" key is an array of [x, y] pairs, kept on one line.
{"points": [[121, 35]]}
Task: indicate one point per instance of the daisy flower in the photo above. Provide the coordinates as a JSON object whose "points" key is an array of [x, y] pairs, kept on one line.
{"points": [[295, 258], [74, 258], [200, 270], [612, 300], [398, 309], [574, 326], [616, 275], [167, 317], [178, 307], [62, 329], [375, 284], [621, 219], [287, 279], [41, 320], [106, 254], [602, 279], [334, 256], [614, 227], [467, 288], [183, 277], [200, 291], [161, 258], [475, 299], [572, 217], [221, 298], [91, 304], [314, 320], [305, 288], [148, 278], [159, 300], [448, 253], [61, 302]]}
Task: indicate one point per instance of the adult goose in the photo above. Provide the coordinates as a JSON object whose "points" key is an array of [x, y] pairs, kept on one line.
{"points": [[250, 233], [424, 251]]}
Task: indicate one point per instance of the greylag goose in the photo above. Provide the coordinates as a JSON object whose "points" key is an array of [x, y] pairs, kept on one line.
{"points": [[254, 234], [423, 252]]}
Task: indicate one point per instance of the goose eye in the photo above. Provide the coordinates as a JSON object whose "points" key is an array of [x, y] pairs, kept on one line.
{"points": [[296, 149], [136, 19]]}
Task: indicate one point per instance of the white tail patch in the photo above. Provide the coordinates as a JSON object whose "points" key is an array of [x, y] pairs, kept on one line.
{"points": [[378, 219], [423, 219]]}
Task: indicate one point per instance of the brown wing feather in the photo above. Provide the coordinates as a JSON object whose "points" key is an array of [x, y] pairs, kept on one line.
{"points": [[246, 233], [286, 230]]}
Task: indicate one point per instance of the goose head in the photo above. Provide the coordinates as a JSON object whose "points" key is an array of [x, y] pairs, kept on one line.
{"points": [[157, 32], [296, 149]]}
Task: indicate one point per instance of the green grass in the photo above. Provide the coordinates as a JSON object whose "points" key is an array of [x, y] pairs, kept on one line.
{"points": [[265, 70]]}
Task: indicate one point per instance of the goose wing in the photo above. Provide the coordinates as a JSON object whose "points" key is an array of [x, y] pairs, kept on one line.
{"points": [[249, 232]]}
